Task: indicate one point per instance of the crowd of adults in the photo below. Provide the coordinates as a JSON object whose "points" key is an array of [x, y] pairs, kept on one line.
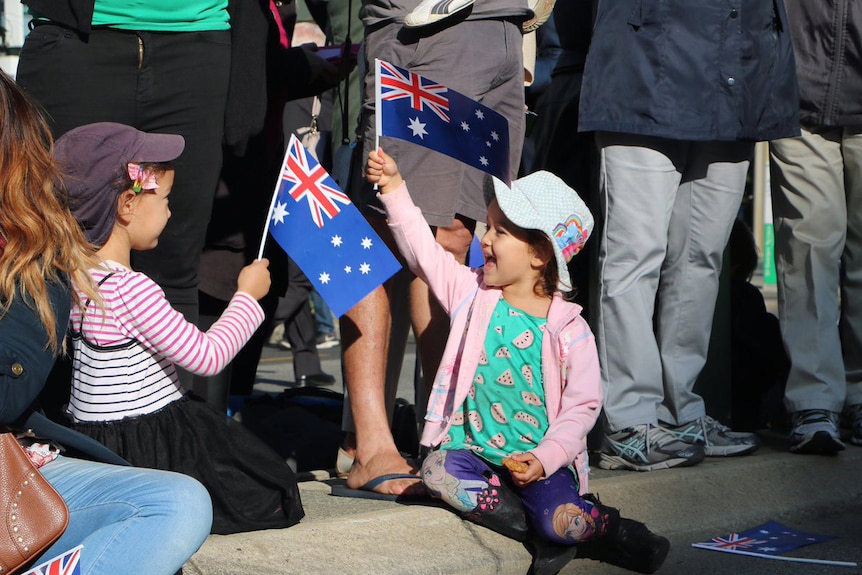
{"points": [[651, 113]]}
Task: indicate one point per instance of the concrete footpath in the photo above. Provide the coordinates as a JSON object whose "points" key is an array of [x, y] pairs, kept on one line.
{"points": [[365, 537], [356, 536]]}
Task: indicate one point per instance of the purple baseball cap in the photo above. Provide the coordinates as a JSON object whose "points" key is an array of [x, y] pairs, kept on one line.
{"points": [[91, 158]]}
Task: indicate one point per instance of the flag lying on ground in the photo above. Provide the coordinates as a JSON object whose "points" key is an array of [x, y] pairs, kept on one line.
{"points": [[317, 225], [769, 540], [414, 108], [66, 564]]}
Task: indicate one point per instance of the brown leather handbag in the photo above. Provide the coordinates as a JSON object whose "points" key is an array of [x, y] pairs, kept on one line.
{"points": [[32, 514]]}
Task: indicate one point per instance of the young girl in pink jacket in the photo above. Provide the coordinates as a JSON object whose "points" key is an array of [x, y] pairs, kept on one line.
{"points": [[518, 387]]}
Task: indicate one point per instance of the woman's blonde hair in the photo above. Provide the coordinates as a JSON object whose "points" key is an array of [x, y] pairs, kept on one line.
{"points": [[43, 242]]}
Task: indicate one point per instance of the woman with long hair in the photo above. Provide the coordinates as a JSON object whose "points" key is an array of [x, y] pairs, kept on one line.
{"points": [[129, 520]]}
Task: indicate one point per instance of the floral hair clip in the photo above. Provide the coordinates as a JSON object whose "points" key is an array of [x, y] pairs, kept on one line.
{"points": [[141, 179]]}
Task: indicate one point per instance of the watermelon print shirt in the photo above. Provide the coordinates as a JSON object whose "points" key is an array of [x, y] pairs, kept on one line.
{"points": [[505, 410]]}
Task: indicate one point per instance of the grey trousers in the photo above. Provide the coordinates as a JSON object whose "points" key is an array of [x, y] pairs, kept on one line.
{"points": [[817, 211], [669, 206]]}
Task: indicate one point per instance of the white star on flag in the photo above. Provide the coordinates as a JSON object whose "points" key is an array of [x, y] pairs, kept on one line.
{"points": [[279, 213], [418, 128], [483, 160], [336, 241], [366, 243], [347, 269], [324, 278], [364, 268], [495, 136], [480, 114], [465, 126]]}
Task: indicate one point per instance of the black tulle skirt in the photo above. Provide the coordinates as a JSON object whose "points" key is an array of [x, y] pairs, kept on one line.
{"points": [[250, 485]]}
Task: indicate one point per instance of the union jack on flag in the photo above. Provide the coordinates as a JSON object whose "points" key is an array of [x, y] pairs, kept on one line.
{"points": [[66, 564], [308, 182], [396, 83], [732, 541]]}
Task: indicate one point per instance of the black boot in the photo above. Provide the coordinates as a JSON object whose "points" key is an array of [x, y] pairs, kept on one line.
{"points": [[500, 510], [548, 558], [626, 543]]}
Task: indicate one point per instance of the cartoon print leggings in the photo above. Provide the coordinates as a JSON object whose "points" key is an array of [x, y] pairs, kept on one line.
{"points": [[553, 506]]}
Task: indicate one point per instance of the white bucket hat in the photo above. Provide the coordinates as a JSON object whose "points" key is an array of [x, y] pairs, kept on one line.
{"points": [[542, 201]]}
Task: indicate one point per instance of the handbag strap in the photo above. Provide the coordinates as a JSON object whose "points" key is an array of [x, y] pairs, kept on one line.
{"points": [[345, 73]]}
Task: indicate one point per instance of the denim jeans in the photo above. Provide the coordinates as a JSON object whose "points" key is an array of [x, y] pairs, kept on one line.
{"points": [[130, 520]]}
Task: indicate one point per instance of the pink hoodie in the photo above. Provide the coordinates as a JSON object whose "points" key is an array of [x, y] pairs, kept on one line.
{"points": [[570, 363]]}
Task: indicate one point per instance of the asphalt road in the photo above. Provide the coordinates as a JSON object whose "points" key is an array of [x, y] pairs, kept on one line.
{"points": [[845, 523]]}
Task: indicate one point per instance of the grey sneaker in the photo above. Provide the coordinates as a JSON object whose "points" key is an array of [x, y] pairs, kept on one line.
{"points": [[815, 431], [852, 420], [646, 448], [717, 439], [432, 11]]}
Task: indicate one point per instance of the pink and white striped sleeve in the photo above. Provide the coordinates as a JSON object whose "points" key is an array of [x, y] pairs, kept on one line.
{"points": [[146, 314]]}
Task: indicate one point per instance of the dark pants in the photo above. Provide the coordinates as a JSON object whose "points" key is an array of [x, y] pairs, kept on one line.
{"points": [[299, 327], [156, 82]]}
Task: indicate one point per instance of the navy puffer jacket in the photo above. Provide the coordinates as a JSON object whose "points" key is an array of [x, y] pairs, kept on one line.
{"points": [[700, 70]]}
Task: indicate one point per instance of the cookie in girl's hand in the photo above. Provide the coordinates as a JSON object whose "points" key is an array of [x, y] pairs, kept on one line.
{"points": [[513, 465]]}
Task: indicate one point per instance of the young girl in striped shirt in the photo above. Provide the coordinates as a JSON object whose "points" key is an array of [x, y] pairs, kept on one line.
{"points": [[125, 391]]}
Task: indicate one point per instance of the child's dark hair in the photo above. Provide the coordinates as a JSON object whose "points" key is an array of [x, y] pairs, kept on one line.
{"points": [[549, 276]]}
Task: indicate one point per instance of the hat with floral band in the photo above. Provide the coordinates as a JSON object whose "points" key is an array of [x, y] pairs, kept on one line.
{"points": [[542, 201]]}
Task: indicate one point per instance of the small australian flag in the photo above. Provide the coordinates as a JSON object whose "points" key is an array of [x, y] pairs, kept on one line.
{"points": [[417, 109], [323, 232]]}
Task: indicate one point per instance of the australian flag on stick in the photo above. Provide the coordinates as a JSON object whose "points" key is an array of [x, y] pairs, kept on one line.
{"points": [[66, 564], [414, 108], [317, 225], [769, 540]]}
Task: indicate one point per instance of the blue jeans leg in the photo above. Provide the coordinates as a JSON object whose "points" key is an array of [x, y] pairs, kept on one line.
{"points": [[130, 520]]}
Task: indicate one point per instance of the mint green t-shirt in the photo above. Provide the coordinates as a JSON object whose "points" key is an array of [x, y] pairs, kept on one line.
{"points": [[505, 410], [162, 15]]}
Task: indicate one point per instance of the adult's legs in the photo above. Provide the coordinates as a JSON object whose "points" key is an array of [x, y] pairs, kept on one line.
{"points": [[851, 279], [713, 180], [810, 215], [299, 327], [365, 341], [130, 520], [639, 184]]}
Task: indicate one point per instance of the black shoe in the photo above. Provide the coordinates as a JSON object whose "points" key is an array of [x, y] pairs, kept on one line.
{"points": [[549, 558], [626, 543], [316, 380]]}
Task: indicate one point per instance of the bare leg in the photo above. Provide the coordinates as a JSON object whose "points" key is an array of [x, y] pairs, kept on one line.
{"points": [[365, 331]]}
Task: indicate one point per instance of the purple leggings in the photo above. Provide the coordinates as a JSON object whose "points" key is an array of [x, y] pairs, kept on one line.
{"points": [[553, 506]]}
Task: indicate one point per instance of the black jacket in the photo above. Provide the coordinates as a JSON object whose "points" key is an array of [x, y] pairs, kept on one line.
{"points": [[24, 365], [701, 70], [827, 41]]}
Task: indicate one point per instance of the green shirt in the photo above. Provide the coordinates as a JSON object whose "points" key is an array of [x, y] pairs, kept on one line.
{"points": [[162, 15], [505, 411]]}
